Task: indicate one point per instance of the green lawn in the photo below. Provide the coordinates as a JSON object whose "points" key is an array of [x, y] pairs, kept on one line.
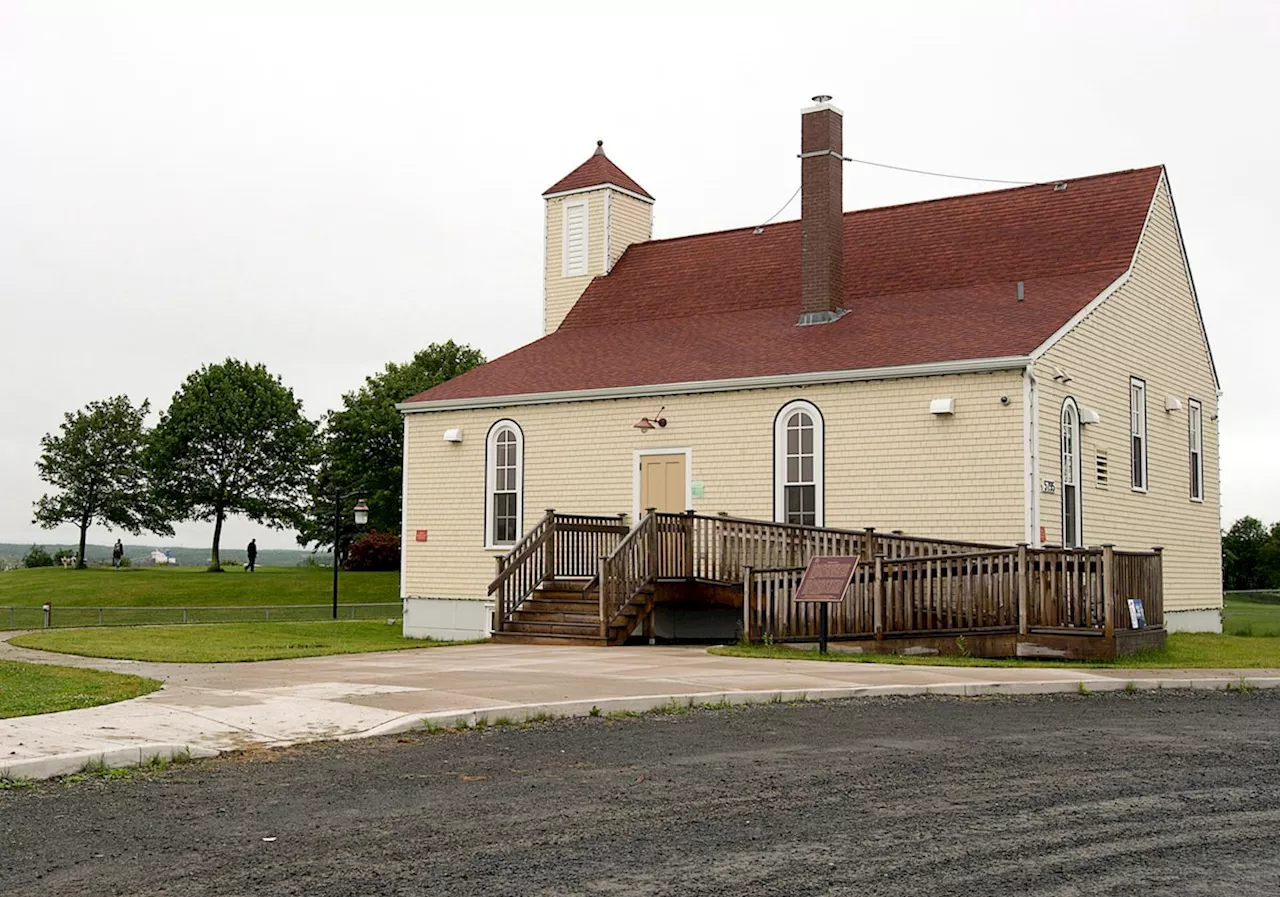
{"points": [[189, 587], [1251, 616], [227, 642], [1191, 650], [30, 688]]}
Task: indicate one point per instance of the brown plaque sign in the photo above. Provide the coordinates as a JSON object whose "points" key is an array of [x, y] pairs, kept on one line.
{"points": [[826, 579]]}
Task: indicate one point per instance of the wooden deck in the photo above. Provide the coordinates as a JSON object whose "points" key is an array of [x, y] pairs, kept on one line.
{"points": [[581, 579]]}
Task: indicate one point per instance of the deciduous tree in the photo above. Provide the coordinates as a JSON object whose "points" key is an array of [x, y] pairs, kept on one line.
{"points": [[364, 442], [95, 461], [234, 441]]}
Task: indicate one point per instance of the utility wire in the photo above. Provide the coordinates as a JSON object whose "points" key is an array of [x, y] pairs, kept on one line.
{"points": [[760, 226], [938, 174]]}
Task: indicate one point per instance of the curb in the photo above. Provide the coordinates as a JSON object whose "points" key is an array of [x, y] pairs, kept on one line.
{"points": [[112, 758], [135, 755], [519, 713]]}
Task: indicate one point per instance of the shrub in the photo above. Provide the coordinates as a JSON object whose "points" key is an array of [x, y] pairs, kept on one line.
{"points": [[37, 557], [376, 551]]}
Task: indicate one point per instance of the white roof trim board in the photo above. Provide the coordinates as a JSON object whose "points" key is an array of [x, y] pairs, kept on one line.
{"points": [[895, 372]]}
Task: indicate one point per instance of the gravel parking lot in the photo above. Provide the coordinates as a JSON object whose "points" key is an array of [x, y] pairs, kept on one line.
{"points": [[1153, 793]]}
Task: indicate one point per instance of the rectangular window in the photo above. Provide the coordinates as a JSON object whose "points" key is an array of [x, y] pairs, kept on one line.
{"points": [[1138, 433], [575, 238], [1195, 440]]}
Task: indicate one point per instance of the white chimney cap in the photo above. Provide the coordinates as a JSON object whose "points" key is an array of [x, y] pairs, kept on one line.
{"points": [[453, 434], [942, 406]]}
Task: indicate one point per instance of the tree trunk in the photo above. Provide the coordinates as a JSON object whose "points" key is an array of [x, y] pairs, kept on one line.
{"points": [[84, 530], [215, 563]]}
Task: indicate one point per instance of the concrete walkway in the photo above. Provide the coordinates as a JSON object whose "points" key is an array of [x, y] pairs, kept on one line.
{"points": [[209, 708]]}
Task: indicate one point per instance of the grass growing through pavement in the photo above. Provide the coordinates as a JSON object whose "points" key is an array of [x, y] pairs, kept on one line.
{"points": [[30, 688], [1191, 650], [189, 587]]}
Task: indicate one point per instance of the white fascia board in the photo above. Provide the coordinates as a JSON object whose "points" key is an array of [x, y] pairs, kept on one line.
{"points": [[1038, 352], [604, 186], [775, 381]]}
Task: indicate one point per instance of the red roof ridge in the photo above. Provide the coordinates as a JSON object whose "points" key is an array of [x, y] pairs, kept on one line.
{"points": [[906, 205]]}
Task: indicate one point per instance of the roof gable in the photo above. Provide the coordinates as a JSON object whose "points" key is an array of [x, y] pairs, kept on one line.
{"points": [[926, 282]]}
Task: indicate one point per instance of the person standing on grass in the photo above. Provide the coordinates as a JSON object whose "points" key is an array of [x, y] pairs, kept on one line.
{"points": [[252, 551], [117, 553]]}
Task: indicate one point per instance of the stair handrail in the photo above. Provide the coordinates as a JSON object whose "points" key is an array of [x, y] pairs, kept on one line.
{"points": [[522, 569], [628, 570]]}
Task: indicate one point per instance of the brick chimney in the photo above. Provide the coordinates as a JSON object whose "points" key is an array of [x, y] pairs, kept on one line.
{"points": [[821, 212]]}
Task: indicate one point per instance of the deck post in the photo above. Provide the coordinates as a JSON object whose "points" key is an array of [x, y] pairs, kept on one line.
{"points": [[746, 604], [651, 547], [499, 612], [604, 623], [878, 599], [869, 545], [1157, 589], [688, 543], [1023, 596], [1108, 591], [549, 557]]}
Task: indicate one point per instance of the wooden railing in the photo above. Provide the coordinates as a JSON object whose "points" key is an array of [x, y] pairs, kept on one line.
{"points": [[559, 546], [629, 569], [721, 549], [1020, 589]]}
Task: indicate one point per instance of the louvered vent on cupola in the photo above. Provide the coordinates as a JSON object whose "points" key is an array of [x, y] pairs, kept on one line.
{"points": [[575, 238]]}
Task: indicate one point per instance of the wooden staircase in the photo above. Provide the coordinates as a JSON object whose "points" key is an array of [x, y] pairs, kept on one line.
{"points": [[568, 613]]}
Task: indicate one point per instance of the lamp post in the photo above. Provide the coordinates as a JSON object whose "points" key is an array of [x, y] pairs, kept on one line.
{"points": [[361, 518]]}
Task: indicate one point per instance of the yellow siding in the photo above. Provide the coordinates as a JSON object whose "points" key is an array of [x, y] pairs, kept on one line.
{"points": [[630, 221], [1150, 329], [889, 464], [562, 292]]}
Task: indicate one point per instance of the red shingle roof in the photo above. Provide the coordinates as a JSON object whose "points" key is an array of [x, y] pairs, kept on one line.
{"points": [[595, 172], [927, 282]]}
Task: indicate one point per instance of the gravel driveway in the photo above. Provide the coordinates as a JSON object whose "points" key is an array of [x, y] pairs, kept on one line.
{"points": [[1153, 793]]}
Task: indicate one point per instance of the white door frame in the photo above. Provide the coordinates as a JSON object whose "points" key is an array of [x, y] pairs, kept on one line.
{"points": [[635, 476]]}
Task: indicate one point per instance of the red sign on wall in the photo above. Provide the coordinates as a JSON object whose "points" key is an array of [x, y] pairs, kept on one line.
{"points": [[420, 535]]}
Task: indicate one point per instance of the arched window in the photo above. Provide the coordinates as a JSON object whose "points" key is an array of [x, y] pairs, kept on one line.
{"points": [[504, 483], [1072, 536], [798, 465]]}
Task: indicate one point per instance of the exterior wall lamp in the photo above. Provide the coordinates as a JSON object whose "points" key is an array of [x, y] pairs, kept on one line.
{"points": [[645, 424]]}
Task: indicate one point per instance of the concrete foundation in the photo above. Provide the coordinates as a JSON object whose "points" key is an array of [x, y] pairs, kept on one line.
{"points": [[447, 618], [1207, 620]]}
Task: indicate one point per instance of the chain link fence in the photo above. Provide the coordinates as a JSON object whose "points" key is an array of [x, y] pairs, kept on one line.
{"points": [[45, 617]]}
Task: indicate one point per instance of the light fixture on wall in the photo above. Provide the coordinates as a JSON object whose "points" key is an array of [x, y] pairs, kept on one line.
{"points": [[645, 424], [1172, 403], [942, 406], [453, 434], [1088, 416]]}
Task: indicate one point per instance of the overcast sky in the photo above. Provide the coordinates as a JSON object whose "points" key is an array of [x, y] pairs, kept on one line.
{"points": [[326, 187]]}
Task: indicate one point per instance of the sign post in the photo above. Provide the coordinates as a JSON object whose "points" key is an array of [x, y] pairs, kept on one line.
{"points": [[825, 581]]}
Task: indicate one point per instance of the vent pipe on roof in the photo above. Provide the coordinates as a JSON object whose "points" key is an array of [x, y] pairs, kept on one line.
{"points": [[821, 212]]}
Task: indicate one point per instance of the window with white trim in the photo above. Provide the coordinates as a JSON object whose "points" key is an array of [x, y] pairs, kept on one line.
{"points": [[504, 483], [1195, 447], [575, 238], [1071, 498], [798, 465], [1138, 434]]}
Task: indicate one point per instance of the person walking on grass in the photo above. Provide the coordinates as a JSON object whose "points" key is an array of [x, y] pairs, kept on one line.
{"points": [[252, 552], [117, 554]]}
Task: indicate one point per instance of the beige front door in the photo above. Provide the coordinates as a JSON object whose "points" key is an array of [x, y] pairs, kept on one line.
{"points": [[662, 483]]}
